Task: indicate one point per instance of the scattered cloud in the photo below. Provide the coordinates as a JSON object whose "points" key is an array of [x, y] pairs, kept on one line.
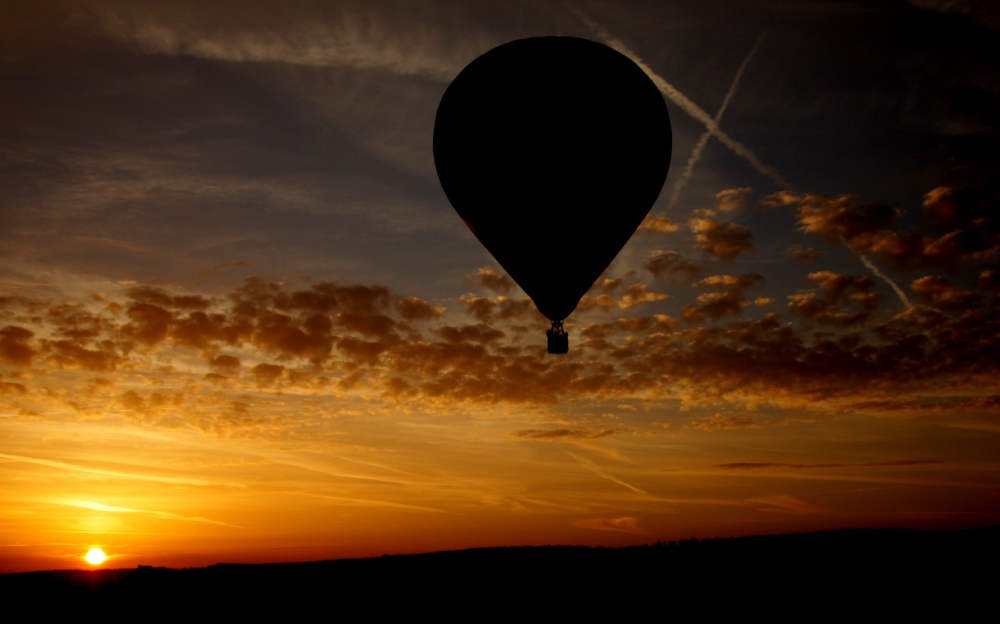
{"points": [[486, 277], [725, 241], [639, 293], [671, 267], [729, 200], [15, 347], [968, 229], [659, 224]]}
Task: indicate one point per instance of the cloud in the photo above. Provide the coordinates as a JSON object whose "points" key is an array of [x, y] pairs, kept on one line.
{"points": [[221, 365], [720, 422], [486, 309], [161, 514], [783, 503], [878, 464], [670, 266], [969, 231], [716, 306], [149, 324], [625, 524], [416, 309], [805, 254], [685, 103], [733, 199], [731, 283], [14, 388], [564, 434], [486, 277], [639, 293], [942, 294], [164, 299], [728, 299], [854, 292], [725, 241], [983, 12], [14, 346], [110, 473], [282, 335], [333, 36], [593, 467], [105, 357], [481, 334], [266, 374], [703, 139], [224, 362], [659, 224]]}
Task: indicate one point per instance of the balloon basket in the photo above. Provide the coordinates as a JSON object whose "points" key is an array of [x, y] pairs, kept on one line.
{"points": [[558, 338]]}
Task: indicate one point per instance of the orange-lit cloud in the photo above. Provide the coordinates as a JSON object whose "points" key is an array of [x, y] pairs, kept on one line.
{"points": [[726, 241], [729, 200], [488, 278], [659, 224], [967, 228]]}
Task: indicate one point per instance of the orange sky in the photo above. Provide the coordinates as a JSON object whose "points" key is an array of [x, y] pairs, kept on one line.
{"points": [[239, 320]]}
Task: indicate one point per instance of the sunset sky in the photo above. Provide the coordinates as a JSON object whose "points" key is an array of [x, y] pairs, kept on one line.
{"points": [[240, 321]]}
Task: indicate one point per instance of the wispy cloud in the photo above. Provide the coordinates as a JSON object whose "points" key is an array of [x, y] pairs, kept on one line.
{"points": [[766, 465], [113, 473], [161, 514], [368, 502], [626, 524], [783, 503], [564, 434], [327, 38]]}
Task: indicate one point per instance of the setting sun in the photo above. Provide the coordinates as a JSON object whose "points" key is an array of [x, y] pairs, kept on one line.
{"points": [[95, 556]]}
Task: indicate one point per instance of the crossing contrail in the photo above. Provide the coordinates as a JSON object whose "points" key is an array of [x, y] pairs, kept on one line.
{"points": [[674, 95], [703, 140], [712, 128]]}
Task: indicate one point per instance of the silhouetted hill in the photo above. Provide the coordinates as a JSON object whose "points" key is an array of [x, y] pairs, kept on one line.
{"points": [[882, 572]]}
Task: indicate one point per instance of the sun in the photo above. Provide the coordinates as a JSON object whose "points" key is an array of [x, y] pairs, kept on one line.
{"points": [[95, 556]]}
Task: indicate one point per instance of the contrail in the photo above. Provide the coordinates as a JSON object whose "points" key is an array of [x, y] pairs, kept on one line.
{"points": [[885, 278], [161, 514], [591, 466], [685, 103], [703, 140], [712, 127]]}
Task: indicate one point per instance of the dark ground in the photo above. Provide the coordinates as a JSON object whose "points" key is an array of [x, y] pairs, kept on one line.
{"points": [[864, 574]]}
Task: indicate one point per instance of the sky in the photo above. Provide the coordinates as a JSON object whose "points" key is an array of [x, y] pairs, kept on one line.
{"points": [[240, 321]]}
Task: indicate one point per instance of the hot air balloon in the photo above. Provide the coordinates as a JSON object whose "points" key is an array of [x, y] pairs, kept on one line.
{"points": [[552, 150]]}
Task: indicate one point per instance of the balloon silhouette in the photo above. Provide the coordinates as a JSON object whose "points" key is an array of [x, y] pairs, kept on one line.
{"points": [[552, 150]]}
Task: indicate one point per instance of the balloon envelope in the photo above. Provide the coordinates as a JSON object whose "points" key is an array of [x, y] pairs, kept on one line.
{"points": [[552, 150]]}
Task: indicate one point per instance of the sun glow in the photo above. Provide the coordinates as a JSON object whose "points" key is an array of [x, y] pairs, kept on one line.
{"points": [[95, 556]]}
